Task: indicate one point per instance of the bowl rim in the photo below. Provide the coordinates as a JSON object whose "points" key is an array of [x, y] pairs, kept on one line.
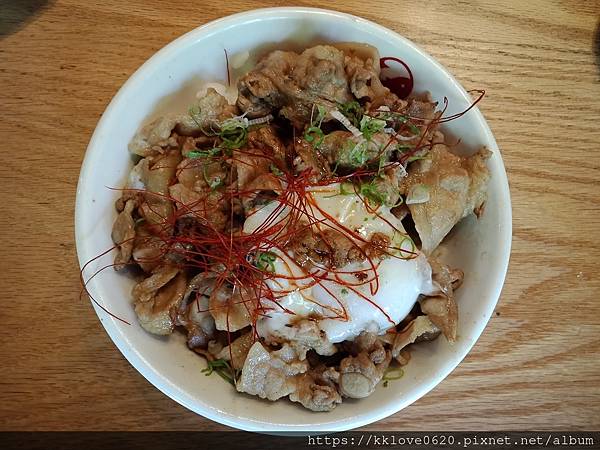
{"points": [[146, 369]]}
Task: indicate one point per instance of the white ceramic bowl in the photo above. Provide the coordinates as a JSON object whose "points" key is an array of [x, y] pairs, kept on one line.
{"points": [[169, 80]]}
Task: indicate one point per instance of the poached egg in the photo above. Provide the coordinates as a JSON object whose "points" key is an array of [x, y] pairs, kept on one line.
{"points": [[341, 306]]}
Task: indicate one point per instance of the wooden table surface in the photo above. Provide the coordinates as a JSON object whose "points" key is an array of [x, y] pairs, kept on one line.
{"points": [[536, 366]]}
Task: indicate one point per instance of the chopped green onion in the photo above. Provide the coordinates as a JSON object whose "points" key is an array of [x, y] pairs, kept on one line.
{"points": [[393, 374], [392, 116], [398, 203], [399, 243], [215, 183], [315, 136], [321, 113], [381, 165], [343, 191], [345, 291], [233, 133], [370, 125], [194, 113], [203, 153], [415, 158], [372, 194], [353, 112], [414, 129], [358, 154], [266, 261], [221, 368]]}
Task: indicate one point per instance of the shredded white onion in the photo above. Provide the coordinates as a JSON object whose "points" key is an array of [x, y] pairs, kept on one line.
{"points": [[401, 171], [236, 61], [404, 138], [259, 120], [344, 121], [230, 93]]}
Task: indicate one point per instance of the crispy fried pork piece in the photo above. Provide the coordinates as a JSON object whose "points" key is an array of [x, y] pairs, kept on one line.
{"points": [[259, 90], [442, 310], [123, 234], [270, 375], [291, 84], [329, 248], [360, 374], [201, 174], [156, 207], [316, 389], [442, 189], [158, 297], [420, 328], [276, 374], [447, 279], [237, 351], [193, 312], [209, 208], [148, 248], [302, 336], [308, 157], [231, 308], [157, 135], [266, 139], [253, 166]]}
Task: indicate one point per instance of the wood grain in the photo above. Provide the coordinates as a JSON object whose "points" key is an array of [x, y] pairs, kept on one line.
{"points": [[536, 365]]}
